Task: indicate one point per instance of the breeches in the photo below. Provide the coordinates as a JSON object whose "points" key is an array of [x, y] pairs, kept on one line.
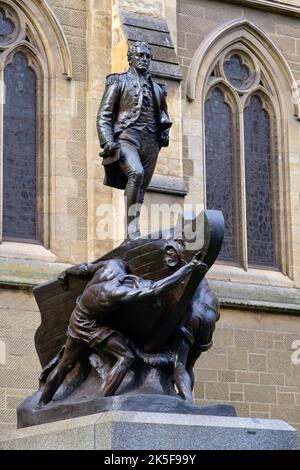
{"points": [[138, 156]]}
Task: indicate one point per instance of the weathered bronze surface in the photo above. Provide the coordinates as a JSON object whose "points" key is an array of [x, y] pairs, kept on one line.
{"points": [[133, 124], [125, 331], [130, 323]]}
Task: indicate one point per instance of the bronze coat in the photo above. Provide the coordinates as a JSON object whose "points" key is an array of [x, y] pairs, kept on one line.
{"points": [[120, 107]]}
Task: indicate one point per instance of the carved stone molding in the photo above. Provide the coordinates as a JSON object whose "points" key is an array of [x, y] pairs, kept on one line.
{"points": [[37, 15], [253, 38], [270, 5]]}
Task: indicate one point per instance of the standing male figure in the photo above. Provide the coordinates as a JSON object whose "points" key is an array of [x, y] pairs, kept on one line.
{"points": [[133, 124]]}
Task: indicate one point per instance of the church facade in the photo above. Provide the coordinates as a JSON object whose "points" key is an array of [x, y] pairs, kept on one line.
{"points": [[232, 70]]}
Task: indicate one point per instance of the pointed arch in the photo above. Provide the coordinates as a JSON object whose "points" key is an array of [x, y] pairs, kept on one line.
{"points": [[32, 52], [252, 37], [270, 77], [41, 23]]}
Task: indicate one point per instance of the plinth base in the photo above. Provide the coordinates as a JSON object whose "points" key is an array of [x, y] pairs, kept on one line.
{"points": [[29, 415], [127, 430]]}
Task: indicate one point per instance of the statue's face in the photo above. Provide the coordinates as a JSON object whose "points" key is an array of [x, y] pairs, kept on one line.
{"points": [[140, 59], [172, 256]]}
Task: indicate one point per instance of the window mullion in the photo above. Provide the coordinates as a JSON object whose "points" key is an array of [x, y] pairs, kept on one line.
{"points": [[241, 206], [2, 98]]}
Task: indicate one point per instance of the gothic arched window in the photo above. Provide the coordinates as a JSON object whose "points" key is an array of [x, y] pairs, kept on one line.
{"points": [[19, 151], [21, 123], [240, 159]]}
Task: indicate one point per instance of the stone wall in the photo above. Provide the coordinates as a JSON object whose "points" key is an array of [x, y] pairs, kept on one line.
{"points": [[19, 364], [250, 366]]}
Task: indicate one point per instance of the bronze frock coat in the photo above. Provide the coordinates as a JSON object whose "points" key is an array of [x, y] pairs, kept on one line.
{"points": [[120, 107]]}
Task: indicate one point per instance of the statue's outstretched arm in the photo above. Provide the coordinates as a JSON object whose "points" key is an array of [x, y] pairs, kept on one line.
{"points": [[160, 287]]}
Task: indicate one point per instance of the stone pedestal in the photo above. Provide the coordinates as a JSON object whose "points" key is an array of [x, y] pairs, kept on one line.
{"points": [[124, 430]]}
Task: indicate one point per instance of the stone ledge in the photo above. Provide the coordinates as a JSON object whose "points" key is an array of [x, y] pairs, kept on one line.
{"points": [[16, 272], [270, 5], [119, 430], [167, 185], [257, 297]]}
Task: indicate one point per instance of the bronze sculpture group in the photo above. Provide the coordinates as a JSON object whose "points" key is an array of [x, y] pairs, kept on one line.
{"points": [[134, 322]]}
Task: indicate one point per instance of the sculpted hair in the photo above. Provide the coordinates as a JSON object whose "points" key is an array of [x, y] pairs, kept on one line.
{"points": [[136, 45]]}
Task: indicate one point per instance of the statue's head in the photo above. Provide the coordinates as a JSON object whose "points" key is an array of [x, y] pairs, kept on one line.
{"points": [[173, 255], [139, 56]]}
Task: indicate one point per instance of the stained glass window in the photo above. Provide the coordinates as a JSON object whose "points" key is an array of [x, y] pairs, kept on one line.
{"points": [[219, 167], [6, 26], [236, 72], [258, 185], [19, 151]]}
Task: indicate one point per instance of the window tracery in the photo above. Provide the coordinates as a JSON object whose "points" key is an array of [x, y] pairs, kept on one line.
{"points": [[21, 121], [253, 163]]}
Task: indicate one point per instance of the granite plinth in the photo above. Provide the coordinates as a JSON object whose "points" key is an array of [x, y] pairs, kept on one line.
{"points": [[123, 430]]}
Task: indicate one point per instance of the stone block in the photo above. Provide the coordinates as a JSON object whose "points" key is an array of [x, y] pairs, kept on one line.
{"points": [[260, 393], [271, 379], [263, 340], [259, 408], [289, 413], [244, 339], [237, 397], [247, 377], [258, 362], [8, 416], [279, 362], [224, 337], [190, 9], [199, 390], [226, 376], [284, 43], [213, 360], [13, 402], [239, 388], [237, 358], [285, 399], [264, 20], [242, 409], [214, 11], [216, 391], [2, 398], [287, 26], [75, 4], [9, 378], [153, 431], [206, 375]]}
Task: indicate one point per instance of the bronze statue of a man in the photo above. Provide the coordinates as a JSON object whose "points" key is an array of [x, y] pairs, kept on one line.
{"points": [[133, 124]]}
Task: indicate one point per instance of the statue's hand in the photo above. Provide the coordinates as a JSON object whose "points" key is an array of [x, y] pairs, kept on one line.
{"points": [[164, 139], [198, 265], [80, 270], [110, 148]]}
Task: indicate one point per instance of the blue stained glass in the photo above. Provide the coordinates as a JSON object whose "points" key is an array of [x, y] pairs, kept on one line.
{"points": [[6, 26], [260, 230], [19, 146], [219, 160], [236, 72]]}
